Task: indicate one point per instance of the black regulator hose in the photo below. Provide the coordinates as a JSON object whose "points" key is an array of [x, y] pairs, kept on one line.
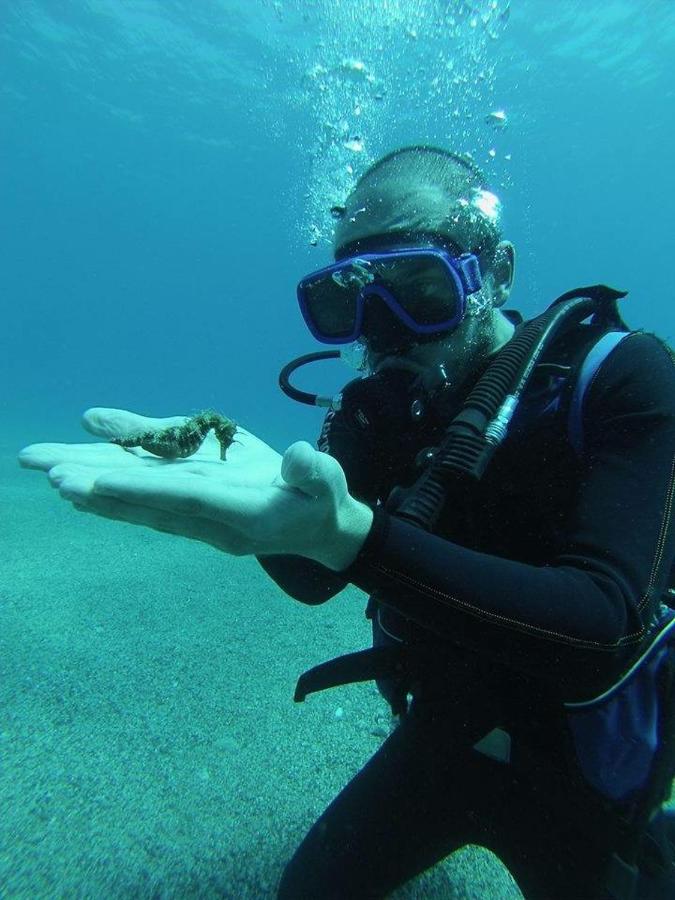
{"points": [[295, 393], [481, 425]]}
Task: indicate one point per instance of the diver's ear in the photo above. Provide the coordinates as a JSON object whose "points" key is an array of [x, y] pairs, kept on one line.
{"points": [[503, 271]]}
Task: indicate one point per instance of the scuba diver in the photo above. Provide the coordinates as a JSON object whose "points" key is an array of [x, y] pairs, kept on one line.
{"points": [[521, 480], [502, 490]]}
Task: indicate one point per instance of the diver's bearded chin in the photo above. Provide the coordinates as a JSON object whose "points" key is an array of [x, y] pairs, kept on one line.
{"points": [[381, 361], [435, 362], [420, 359]]}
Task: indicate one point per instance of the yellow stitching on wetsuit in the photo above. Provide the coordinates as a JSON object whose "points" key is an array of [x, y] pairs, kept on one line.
{"points": [[480, 613], [667, 515], [665, 522], [589, 387], [661, 543]]}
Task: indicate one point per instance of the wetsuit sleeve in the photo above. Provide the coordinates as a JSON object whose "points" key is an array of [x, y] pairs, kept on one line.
{"points": [[587, 609], [301, 578]]}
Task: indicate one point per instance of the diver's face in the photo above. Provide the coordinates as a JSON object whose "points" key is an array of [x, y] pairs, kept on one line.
{"points": [[413, 213], [396, 215], [389, 341], [424, 287], [451, 357]]}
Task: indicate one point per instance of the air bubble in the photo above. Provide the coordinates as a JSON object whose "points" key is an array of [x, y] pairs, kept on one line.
{"points": [[354, 144]]}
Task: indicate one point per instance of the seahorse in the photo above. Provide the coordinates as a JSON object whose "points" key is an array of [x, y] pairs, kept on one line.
{"points": [[179, 441]]}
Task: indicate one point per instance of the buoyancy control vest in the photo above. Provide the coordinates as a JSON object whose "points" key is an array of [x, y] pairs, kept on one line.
{"points": [[618, 735], [623, 739]]}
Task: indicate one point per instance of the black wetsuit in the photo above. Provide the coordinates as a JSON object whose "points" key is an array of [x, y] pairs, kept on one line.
{"points": [[536, 588]]}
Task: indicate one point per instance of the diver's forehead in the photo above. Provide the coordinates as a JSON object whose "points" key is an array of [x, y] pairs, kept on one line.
{"points": [[406, 208], [410, 209], [394, 240]]}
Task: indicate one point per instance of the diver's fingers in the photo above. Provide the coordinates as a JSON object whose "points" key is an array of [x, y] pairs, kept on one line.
{"points": [[184, 494], [114, 423], [73, 481], [241, 467], [216, 534], [183, 513], [45, 456]]}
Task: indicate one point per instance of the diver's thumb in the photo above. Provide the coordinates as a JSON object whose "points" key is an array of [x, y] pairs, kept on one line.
{"points": [[312, 472]]}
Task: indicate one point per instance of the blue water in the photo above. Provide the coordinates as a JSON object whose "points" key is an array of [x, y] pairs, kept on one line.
{"points": [[167, 168], [157, 159]]}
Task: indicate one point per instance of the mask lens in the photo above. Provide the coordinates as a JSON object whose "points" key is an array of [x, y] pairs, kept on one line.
{"points": [[332, 298], [421, 289], [422, 285]]}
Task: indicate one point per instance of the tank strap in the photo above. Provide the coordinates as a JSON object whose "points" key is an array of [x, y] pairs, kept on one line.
{"points": [[589, 369], [363, 665]]}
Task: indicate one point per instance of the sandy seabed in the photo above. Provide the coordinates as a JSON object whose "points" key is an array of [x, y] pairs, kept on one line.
{"points": [[150, 746]]}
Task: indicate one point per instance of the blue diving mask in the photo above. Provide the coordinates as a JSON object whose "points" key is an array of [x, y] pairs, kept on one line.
{"points": [[390, 298]]}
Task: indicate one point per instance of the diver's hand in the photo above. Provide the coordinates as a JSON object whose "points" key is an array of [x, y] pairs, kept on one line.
{"points": [[255, 502]]}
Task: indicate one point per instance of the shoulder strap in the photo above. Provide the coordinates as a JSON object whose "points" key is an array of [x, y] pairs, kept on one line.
{"points": [[589, 369]]}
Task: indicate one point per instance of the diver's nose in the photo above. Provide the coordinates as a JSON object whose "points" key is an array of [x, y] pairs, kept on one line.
{"points": [[381, 327]]}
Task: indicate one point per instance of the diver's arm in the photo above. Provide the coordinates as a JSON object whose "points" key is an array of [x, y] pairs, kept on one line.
{"points": [[303, 579], [599, 592]]}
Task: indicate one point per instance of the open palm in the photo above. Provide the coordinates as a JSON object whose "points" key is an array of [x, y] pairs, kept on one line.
{"points": [[256, 501]]}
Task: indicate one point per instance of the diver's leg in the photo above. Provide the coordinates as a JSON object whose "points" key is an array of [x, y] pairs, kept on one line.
{"points": [[542, 835], [411, 805], [416, 801]]}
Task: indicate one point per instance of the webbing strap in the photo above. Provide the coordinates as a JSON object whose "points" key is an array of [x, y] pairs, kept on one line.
{"points": [[594, 359], [363, 665]]}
